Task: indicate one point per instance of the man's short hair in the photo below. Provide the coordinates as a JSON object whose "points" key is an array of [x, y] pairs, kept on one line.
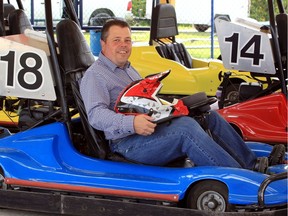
{"points": [[112, 22]]}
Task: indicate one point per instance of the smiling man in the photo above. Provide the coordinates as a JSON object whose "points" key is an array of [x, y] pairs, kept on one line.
{"points": [[137, 137]]}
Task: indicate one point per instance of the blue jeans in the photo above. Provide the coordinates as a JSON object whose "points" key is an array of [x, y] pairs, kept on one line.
{"points": [[184, 136]]}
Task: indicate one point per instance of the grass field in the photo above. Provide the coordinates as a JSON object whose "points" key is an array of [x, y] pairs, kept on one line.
{"points": [[197, 43]]}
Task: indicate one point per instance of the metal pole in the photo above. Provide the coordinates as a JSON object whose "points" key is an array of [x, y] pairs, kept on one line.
{"points": [[212, 30], [55, 65], [80, 12], [2, 25], [20, 5], [32, 12]]}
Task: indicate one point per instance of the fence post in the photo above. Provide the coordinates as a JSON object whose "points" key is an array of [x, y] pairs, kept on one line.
{"points": [[212, 30]]}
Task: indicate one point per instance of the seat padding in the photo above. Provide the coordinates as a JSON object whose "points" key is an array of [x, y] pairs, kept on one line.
{"points": [[164, 22], [18, 22], [164, 25]]}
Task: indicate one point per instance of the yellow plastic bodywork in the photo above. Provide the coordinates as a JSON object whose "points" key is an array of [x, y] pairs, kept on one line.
{"points": [[8, 118], [203, 77], [11, 121]]}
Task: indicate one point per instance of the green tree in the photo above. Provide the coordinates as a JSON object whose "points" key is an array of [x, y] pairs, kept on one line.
{"points": [[139, 8], [259, 9]]}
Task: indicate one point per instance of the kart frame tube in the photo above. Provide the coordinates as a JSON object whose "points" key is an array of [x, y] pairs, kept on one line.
{"points": [[54, 63], [265, 184], [275, 42]]}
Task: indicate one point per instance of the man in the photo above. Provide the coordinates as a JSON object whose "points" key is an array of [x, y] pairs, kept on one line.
{"points": [[136, 137]]}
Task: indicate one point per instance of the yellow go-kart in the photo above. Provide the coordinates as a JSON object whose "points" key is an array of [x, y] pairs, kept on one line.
{"points": [[188, 75]]}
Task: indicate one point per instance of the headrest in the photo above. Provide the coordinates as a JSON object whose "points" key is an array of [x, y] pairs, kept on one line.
{"points": [[163, 22], [7, 9], [75, 53], [18, 22]]}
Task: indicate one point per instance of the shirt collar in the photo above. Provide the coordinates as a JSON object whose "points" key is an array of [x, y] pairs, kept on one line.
{"points": [[110, 64]]}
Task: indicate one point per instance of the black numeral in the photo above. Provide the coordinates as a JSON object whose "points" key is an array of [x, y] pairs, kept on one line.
{"points": [[256, 56], [234, 49], [27, 69], [253, 44], [10, 58]]}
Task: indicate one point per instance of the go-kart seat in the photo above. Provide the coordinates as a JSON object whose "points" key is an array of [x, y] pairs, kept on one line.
{"points": [[18, 22], [75, 58], [7, 8], [179, 53], [164, 26]]}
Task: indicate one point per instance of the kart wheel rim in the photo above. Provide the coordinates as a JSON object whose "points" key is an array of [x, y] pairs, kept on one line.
{"points": [[233, 96], [3, 185], [211, 201]]}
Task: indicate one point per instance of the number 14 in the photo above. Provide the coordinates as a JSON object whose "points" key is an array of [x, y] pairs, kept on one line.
{"points": [[254, 42]]}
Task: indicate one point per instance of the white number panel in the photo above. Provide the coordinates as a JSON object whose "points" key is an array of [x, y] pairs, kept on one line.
{"points": [[244, 48], [25, 72]]}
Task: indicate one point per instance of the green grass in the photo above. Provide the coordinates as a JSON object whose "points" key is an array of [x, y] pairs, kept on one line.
{"points": [[199, 44], [199, 48]]}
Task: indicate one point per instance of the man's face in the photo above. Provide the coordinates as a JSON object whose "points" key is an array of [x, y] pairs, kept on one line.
{"points": [[117, 46]]}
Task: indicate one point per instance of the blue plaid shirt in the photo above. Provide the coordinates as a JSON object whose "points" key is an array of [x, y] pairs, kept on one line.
{"points": [[100, 88]]}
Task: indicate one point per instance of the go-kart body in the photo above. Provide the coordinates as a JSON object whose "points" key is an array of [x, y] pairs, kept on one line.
{"points": [[45, 158], [263, 116], [263, 119]]}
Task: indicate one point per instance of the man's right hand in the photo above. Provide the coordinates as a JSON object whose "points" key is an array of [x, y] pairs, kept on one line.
{"points": [[143, 125]]}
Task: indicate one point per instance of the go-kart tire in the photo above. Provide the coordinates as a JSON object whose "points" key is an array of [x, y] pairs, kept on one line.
{"points": [[209, 196], [100, 16], [201, 28], [277, 155], [3, 185]]}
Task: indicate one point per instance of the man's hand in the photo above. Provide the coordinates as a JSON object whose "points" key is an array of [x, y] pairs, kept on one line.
{"points": [[143, 125]]}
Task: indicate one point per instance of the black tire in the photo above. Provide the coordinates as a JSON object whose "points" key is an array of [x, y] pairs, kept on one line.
{"points": [[201, 28], [209, 196], [3, 185], [100, 16]]}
